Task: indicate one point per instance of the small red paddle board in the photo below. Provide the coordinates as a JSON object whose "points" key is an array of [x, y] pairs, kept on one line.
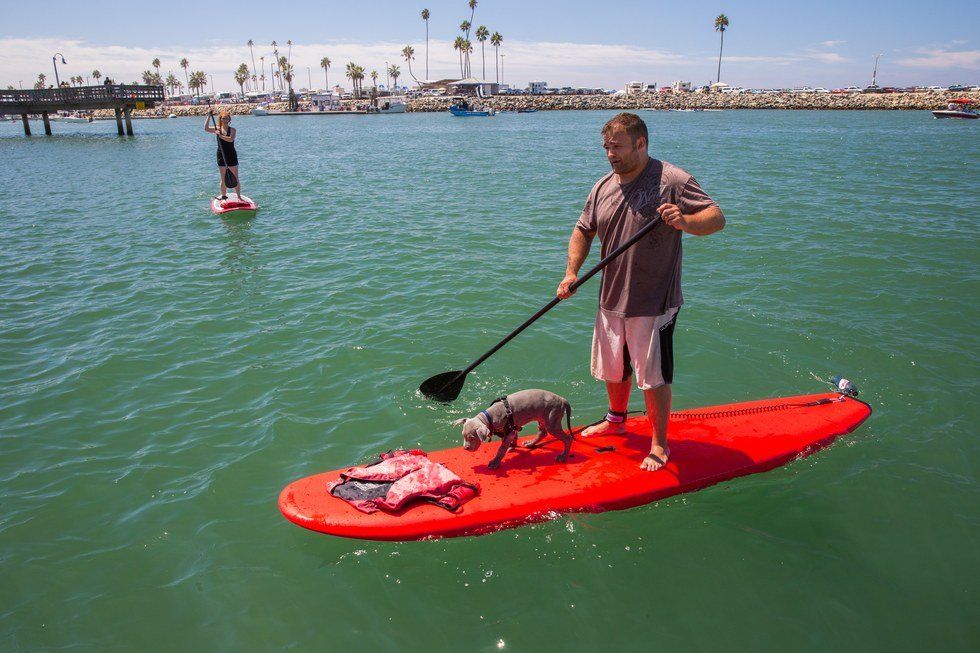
{"points": [[708, 445], [233, 208]]}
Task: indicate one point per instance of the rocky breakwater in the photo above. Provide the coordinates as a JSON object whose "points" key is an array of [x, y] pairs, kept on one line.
{"points": [[663, 101]]}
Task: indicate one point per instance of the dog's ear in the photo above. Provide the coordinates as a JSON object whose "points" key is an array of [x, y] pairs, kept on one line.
{"points": [[459, 422]]}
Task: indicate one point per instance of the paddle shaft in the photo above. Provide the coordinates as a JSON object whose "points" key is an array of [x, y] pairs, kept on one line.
{"points": [[554, 302]]}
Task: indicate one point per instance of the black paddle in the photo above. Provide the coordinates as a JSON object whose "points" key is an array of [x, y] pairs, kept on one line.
{"points": [[231, 181], [446, 386]]}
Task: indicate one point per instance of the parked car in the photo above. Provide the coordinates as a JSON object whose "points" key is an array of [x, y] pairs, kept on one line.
{"points": [[956, 88]]}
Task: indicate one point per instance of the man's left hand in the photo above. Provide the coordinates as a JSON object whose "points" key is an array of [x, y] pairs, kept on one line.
{"points": [[672, 216]]}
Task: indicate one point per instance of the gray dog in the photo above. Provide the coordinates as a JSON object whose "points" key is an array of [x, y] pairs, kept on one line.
{"points": [[507, 415]]}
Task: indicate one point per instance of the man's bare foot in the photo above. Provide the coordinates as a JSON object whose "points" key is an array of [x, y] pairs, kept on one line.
{"points": [[604, 428], [657, 458]]}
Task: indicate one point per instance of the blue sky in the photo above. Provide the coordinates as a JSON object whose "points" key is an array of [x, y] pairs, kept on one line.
{"points": [[565, 43]]}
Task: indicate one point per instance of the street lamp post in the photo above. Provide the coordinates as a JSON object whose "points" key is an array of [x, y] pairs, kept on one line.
{"points": [[54, 61], [387, 78], [309, 79]]}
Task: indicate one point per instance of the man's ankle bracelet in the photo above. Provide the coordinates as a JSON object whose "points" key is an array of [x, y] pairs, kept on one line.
{"points": [[615, 417]]}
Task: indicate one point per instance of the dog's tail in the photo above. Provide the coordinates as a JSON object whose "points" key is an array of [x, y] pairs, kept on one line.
{"points": [[568, 419]]}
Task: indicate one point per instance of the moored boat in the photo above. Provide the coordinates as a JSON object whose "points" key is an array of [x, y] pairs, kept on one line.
{"points": [[463, 110]]}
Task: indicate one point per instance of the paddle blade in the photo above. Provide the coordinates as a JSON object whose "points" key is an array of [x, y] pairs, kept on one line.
{"points": [[443, 387], [230, 180]]}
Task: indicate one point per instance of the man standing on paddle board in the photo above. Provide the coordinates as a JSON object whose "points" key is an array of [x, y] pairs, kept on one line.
{"points": [[641, 290]]}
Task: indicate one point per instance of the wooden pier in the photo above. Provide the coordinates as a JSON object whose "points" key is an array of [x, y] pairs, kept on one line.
{"points": [[122, 98]]}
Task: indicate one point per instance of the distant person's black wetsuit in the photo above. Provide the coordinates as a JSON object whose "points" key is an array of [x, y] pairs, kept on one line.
{"points": [[226, 150]]}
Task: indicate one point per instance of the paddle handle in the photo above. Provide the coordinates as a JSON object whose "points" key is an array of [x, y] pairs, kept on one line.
{"points": [[609, 258]]}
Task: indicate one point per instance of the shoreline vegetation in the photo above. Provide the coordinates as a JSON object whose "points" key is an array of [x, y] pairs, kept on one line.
{"points": [[925, 101]]}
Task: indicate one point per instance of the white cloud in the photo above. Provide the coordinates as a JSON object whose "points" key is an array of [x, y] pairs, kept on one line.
{"points": [[23, 59], [829, 57], [938, 59], [832, 44]]}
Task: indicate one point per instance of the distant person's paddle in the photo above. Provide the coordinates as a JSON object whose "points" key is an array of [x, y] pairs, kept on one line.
{"points": [[230, 179], [446, 386]]}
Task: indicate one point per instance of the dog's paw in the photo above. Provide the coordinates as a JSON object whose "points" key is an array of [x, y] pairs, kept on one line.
{"points": [[493, 464], [561, 458]]}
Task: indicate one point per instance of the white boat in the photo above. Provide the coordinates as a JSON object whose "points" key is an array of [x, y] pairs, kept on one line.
{"points": [[958, 108], [70, 117], [261, 110], [392, 105]]}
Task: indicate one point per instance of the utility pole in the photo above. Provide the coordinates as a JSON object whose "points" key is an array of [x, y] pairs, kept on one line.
{"points": [[54, 60], [874, 75]]}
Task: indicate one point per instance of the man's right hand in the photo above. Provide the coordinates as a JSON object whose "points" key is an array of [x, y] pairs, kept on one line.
{"points": [[563, 291]]}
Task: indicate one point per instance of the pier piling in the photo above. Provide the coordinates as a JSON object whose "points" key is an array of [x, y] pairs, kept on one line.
{"points": [[129, 122], [47, 123], [27, 124]]}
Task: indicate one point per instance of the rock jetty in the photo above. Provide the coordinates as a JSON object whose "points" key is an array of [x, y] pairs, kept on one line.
{"points": [[926, 101]]}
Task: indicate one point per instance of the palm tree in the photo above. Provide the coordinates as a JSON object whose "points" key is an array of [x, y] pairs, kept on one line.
{"points": [[395, 73], [156, 64], [171, 82], [40, 81], [464, 27], [241, 76], [351, 73], [147, 77], [96, 75], [472, 4], [495, 40], [468, 50], [374, 80], [275, 59], [721, 24], [458, 45], [482, 34], [251, 49], [425, 17], [287, 72], [408, 53], [325, 64], [196, 82], [184, 63]]}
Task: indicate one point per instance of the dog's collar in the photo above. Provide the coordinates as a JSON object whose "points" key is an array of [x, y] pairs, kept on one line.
{"points": [[489, 421], [508, 426]]}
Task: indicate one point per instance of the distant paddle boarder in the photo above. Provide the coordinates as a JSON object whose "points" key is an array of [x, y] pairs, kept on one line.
{"points": [[641, 290], [227, 156]]}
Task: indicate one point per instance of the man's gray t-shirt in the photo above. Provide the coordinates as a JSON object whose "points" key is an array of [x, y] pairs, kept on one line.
{"points": [[646, 278]]}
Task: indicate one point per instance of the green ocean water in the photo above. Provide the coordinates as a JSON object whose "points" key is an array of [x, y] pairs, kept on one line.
{"points": [[163, 374]]}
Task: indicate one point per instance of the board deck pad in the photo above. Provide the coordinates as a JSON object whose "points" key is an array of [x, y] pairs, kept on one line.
{"points": [[231, 207], [707, 446]]}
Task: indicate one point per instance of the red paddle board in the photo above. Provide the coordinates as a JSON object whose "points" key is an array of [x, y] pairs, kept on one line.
{"points": [[707, 445], [233, 208]]}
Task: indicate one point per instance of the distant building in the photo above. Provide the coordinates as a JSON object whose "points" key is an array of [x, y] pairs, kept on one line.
{"points": [[650, 88], [537, 88], [679, 86], [633, 88], [473, 86]]}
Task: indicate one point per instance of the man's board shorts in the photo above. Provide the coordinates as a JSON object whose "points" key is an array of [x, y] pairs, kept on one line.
{"points": [[644, 345]]}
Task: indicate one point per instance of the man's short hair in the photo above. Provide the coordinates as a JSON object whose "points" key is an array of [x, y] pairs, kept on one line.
{"points": [[631, 122]]}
